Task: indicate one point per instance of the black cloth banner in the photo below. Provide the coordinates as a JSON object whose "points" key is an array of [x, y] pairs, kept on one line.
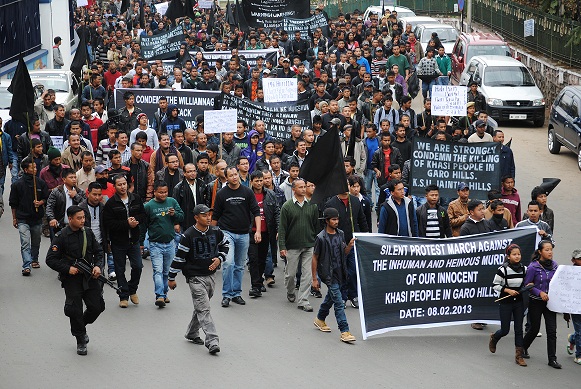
{"points": [[306, 26], [278, 117], [270, 13], [162, 46], [448, 163], [190, 102], [420, 283]]}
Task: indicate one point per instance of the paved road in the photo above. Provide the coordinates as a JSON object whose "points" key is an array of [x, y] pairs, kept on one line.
{"points": [[268, 342]]}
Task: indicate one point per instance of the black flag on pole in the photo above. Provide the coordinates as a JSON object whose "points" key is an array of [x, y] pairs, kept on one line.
{"points": [[324, 167], [230, 15], [81, 57], [189, 9], [125, 6], [175, 10], [22, 105], [240, 18]]}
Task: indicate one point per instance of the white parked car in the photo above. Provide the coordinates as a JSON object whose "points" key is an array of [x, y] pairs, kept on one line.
{"points": [[63, 82], [377, 10], [447, 34], [508, 87], [416, 20], [5, 99]]}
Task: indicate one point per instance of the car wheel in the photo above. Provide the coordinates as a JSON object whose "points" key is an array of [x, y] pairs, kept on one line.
{"points": [[552, 142], [539, 122], [579, 158]]}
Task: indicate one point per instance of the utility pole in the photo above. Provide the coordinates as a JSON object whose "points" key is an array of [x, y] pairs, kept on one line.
{"points": [[469, 16]]}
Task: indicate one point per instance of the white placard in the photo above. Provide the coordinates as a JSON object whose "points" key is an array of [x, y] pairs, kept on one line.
{"points": [[565, 290], [279, 90], [220, 121], [529, 27], [161, 8], [82, 3], [449, 100], [57, 141], [205, 4]]}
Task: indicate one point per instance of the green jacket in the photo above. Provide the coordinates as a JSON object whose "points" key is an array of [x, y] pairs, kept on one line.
{"points": [[158, 222], [444, 63]]}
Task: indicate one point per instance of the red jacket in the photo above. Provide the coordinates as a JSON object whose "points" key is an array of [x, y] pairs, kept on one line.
{"points": [[512, 203]]}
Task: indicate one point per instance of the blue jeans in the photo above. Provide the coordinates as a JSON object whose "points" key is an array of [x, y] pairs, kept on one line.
{"points": [[349, 289], [269, 267], [233, 267], [427, 87], [29, 242], [13, 173], [333, 298], [162, 254], [576, 337], [110, 264], [370, 179], [443, 80], [120, 253]]}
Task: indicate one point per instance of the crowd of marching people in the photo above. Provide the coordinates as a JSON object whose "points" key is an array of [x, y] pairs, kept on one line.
{"points": [[154, 187]]}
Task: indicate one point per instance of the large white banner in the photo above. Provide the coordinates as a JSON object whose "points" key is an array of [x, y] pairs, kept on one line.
{"points": [[220, 121], [449, 100], [565, 290], [279, 90]]}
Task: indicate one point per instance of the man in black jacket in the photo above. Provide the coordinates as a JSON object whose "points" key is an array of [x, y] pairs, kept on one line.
{"points": [[27, 212], [379, 164], [433, 220], [78, 243], [201, 251], [56, 126], [138, 170], [300, 47], [258, 251], [475, 224], [351, 219], [189, 193], [122, 215], [23, 145]]}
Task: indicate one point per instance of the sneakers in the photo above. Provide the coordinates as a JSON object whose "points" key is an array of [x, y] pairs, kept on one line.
{"points": [[134, 298], [225, 302], [123, 303], [570, 345], [239, 300], [213, 349], [306, 308], [347, 337], [196, 340], [269, 281], [577, 360], [291, 297], [160, 302], [316, 293], [321, 325], [355, 303], [112, 276], [263, 288], [255, 292]]}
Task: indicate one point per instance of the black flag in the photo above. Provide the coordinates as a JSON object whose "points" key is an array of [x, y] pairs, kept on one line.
{"points": [[125, 5], [240, 18], [175, 10], [324, 167], [81, 56], [22, 105], [189, 9], [212, 19], [142, 14], [549, 184], [230, 15]]}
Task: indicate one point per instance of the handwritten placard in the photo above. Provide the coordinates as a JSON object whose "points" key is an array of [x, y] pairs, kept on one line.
{"points": [[220, 121], [57, 141], [565, 290], [449, 100], [279, 90]]}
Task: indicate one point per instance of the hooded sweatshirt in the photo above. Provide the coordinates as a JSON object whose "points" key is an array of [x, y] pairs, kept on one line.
{"points": [[253, 154], [170, 124], [512, 203]]}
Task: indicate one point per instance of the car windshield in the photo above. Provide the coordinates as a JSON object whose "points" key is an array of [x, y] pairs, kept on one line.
{"points": [[5, 98], [57, 82], [445, 34], [507, 76], [474, 50], [405, 14]]}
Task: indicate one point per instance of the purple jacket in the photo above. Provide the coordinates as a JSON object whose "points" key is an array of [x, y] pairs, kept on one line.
{"points": [[541, 277]]}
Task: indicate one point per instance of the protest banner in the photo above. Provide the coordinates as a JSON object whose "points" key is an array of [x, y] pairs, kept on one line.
{"points": [[57, 141], [220, 121], [420, 283], [191, 102], [448, 163], [449, 100], [162, 46], [306, 26], [278, 117], [565, 290], [205, 4], [270, 13], [278, 90]]}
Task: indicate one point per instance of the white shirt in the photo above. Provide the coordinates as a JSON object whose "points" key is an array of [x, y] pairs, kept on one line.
{"points": [[95, 221], [152, 140], [125, 155], [193, 189], [300, 204], [68, 202]]}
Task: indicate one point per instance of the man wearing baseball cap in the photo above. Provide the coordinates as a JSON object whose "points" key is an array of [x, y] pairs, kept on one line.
{"points": [[330, 263], [201, 250], [480, 135]]}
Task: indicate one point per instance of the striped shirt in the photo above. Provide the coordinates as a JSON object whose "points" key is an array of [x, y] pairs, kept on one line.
{"points": [[507, 277], [103, 153], [432, 225]]}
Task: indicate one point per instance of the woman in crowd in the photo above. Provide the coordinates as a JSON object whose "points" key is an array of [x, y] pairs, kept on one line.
{"points": [[540, 273], [508, 280]]}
